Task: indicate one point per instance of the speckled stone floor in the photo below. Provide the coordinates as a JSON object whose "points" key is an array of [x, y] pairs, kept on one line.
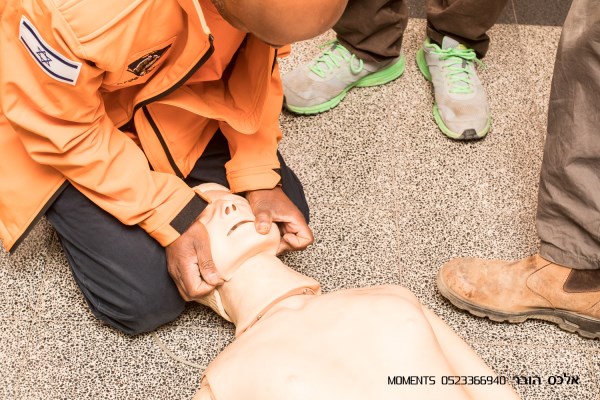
{"points": [[391, 199]]}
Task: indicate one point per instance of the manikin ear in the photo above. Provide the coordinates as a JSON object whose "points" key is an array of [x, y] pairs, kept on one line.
{"points": [[210, 191]]}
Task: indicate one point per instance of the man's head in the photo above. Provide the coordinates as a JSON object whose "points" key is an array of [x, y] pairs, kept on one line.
{"points": [[279, 22]]}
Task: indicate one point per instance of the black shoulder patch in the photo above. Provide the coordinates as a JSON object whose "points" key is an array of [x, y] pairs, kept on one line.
{"points": [[146, 63]]}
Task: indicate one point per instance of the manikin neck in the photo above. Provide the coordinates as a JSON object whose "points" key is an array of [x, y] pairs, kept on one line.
{"points": [[259, 284]]}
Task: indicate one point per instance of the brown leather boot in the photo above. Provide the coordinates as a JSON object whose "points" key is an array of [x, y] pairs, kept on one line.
{"points": [[529, 288]]}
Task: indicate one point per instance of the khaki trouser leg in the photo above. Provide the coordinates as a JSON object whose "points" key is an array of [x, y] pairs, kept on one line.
{"points": [[373, 29], [466, 21], [568, 216]]}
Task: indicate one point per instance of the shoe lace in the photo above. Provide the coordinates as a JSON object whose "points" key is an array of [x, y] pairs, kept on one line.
{"points": [[333, 58], [458, 69]]}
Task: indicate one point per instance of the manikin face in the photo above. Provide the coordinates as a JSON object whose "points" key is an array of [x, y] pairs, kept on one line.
{"points": [[230, 224]]}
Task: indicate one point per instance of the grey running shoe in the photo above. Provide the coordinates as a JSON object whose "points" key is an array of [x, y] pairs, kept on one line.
{"points": [[461, 108], [322, 83]]}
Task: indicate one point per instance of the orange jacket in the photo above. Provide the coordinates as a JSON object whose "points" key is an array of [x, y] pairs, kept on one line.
{"points": [[120, 98]]}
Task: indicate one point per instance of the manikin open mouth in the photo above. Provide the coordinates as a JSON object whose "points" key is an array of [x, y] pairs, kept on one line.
{"points": [[233, 228]]}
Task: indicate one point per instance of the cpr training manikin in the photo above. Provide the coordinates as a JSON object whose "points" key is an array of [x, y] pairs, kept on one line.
{"points": [[292, 342]]}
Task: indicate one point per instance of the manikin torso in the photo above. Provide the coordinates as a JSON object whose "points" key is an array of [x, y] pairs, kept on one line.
{"points": [[333, 346], [294, 343]]}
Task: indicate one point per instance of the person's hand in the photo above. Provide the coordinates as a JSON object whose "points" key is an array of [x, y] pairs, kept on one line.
{"points": [[190, 263], [272, 205]]}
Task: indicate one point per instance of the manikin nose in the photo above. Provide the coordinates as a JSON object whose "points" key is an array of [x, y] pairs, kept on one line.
{"points": [[229, 208]]}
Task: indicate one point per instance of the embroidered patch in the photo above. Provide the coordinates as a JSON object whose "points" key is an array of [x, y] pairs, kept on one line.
{"points": [[51, 61], [146, 63]]}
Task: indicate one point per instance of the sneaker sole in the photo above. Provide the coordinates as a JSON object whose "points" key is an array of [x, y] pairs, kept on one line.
{"points": [[469, 134], [386, 75], [569, 321]]}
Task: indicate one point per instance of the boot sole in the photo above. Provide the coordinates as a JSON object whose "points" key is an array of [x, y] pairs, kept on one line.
{"points": [[567, 320], [382, 77], [467, 134]]}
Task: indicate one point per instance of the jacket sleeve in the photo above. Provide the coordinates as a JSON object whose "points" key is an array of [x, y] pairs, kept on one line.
{"points": [[50, 93], [254, 164]]}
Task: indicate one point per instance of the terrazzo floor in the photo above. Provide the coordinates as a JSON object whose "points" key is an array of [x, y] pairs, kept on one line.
{"points": [[391, 200]]}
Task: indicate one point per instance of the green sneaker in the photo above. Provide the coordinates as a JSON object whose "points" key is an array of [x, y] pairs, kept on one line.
{"points": [[322, 83], [461, 108]]}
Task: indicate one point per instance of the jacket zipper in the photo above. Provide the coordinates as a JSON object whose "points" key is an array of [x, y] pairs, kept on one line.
{"points": [[177, 85], [161, 139], [274, 62], [170, 90]]}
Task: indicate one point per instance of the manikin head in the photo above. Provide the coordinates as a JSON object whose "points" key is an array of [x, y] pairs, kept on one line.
{"points": [[230, 224], [229, 221], [279, 22], [255, 279]]}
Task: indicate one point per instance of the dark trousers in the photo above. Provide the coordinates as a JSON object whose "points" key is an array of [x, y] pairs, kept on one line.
{"points": [[120, 269], [568, 215], [373, 29]]}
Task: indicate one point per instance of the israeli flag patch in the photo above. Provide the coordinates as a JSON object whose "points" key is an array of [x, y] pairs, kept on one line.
{"points": [[50, 61]]}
